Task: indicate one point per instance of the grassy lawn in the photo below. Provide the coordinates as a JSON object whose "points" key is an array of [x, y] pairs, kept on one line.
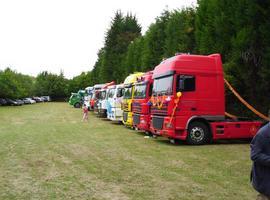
{"points": [[46, 152]]}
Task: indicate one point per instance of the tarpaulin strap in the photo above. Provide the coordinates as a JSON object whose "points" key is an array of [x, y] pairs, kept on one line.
{"points": [[246, 103], [230, 115]]}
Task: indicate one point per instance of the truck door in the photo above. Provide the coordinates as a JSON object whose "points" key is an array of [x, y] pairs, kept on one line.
{"points": [[187, 106]]}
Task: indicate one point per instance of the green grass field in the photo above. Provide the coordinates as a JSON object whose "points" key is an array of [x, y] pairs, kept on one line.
{"points": [[46, 152]]}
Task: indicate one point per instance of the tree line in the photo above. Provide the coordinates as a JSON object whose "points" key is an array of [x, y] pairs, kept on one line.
{"points": [[16, 85], [237, 29]]}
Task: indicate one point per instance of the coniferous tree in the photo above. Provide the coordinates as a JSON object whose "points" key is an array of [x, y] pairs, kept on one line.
{"points": [[154, 42], [180, 31], [133, 59], [123, 30], [238, 31]]}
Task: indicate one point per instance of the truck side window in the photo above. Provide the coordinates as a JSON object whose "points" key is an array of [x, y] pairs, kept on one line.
{"points": [[186, 83], [120, 92]]}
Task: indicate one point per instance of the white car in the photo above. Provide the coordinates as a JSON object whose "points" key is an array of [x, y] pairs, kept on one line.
{"points": [[32, 101]]}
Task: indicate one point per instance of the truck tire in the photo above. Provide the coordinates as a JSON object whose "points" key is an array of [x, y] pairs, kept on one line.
{"points": [[198, 133], [77, 105]]}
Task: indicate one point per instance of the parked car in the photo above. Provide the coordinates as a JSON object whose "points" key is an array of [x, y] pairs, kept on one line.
{"points": [[46, 98], [3, 102], [19, 101], [26, 101], [11, 102], [37, 99], [43, 99], [31, 101]]}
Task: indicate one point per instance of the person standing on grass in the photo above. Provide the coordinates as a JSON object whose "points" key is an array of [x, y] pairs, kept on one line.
{"points": [[85, 113], [260, 155]]}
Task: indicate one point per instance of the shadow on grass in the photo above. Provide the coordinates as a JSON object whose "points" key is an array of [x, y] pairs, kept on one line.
{"points": [[165, 141], [140, 133], [104, 119], [116, 123], [231, 142]]}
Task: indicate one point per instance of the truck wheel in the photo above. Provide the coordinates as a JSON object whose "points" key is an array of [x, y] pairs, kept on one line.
{"points": [[77, 105], [198, 133]]}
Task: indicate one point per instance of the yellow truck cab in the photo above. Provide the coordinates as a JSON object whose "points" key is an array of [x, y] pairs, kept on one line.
{"points": [[128, 97]]}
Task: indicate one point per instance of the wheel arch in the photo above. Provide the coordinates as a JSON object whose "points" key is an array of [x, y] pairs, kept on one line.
{"points": [[76, 103], [202, 120]]}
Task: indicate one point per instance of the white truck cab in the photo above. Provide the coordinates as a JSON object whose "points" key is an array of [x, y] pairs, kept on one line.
{"points": [[87, 97], [114, 100], [102, 103]]}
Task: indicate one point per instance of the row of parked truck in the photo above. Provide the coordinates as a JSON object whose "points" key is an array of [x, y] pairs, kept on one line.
{"points": [[20, 102], [183, 98]]}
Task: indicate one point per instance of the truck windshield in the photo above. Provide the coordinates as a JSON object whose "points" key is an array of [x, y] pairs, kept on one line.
{"points": [[120, 92], [163, 85], [128, 93], [140, 91], [102, 95], [111, 93]]}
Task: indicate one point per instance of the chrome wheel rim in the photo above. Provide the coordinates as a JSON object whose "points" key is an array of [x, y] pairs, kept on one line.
{"points": [[197, 134]]}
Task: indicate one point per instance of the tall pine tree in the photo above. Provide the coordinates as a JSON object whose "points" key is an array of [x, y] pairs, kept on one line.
{"points": [[154, 42], [123, 30]]}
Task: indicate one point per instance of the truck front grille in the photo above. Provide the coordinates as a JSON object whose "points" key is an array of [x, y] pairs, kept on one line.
{"points": [[162, 111], [157, 122], [136, 107], [136, 119]]}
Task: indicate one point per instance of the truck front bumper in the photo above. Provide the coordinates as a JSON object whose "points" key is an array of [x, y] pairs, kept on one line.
{"points": [[102, 113], [116, 114], [142, 122], [167, 129], [127, 118]]}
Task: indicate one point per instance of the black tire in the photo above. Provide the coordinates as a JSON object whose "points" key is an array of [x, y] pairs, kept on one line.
{"points": [[198, 133], [77, 105]]}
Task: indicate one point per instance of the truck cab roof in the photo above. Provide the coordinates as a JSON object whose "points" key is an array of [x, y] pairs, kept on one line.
{"points": [[189, 63], [132, 78]]}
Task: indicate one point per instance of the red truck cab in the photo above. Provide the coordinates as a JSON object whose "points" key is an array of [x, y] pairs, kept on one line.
{"points": [[188, 101], [140, 104]]}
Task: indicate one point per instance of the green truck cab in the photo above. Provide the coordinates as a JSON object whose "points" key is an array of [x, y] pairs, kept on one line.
{"points": [[76, 99]]}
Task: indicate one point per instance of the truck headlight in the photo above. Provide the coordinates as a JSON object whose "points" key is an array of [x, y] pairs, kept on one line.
{"points": [[169, 125], [143, 121]]}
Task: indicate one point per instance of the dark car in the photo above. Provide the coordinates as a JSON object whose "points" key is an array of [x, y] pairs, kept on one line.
{"points": [[37, 99], [11, 102], [46, 98], [19, 101], [3, 102], [43, 99]]}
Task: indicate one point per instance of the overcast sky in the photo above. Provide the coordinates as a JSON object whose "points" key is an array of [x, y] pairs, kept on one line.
{"points": [[38, 35]]}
